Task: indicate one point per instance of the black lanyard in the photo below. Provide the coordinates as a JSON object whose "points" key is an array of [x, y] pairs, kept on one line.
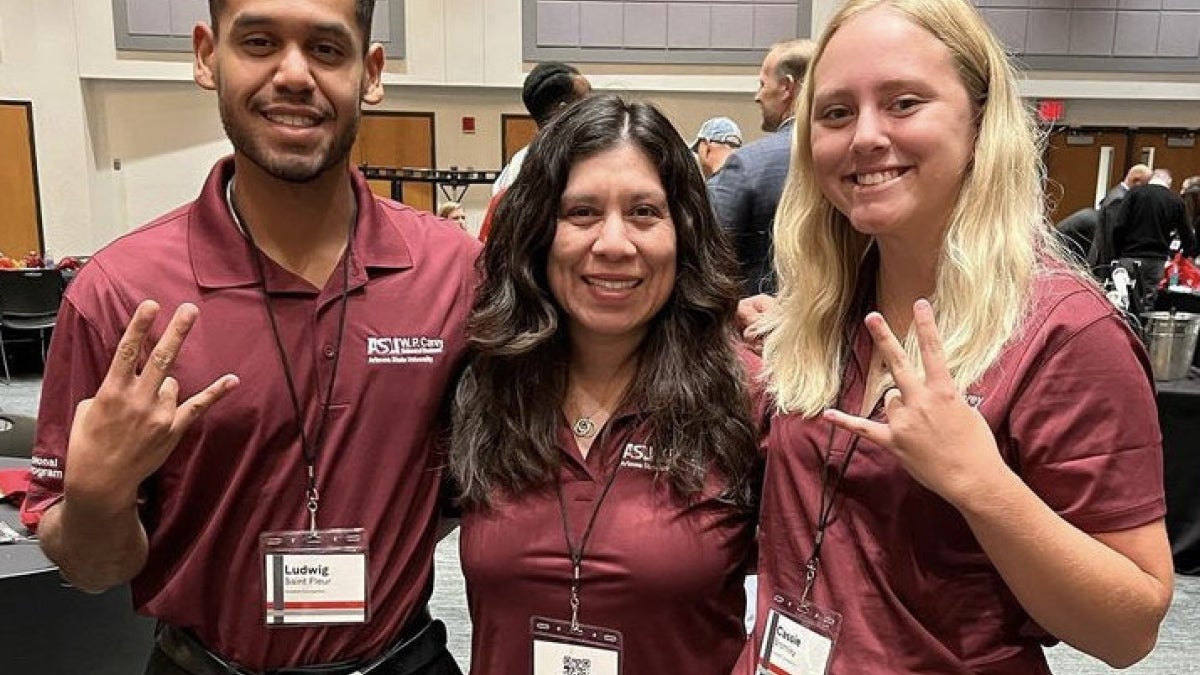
{"points": [[309, 448], [831, 482], [576, 554]]}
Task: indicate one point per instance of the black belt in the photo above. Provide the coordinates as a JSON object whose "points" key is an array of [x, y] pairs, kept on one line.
{"points": [[421, 642]]}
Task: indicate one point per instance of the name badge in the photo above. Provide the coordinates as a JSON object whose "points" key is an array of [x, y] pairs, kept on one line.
{"points": [[798, 639], [314, 578], [559, 649]]}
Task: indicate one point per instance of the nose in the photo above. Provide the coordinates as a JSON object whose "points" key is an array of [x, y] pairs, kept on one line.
{"points": [[870, 132], [612, 239], [293, 72]]}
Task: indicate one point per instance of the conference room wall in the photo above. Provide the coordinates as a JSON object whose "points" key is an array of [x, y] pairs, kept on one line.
{"points": [[93, 104], [164, 136]]}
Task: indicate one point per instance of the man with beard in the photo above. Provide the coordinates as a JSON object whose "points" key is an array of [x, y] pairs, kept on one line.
{"points": [[260, 459]]}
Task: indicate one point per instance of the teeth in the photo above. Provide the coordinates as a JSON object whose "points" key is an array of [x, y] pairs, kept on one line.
{"points": [[877, 177], [613, 285], [293, 120]]}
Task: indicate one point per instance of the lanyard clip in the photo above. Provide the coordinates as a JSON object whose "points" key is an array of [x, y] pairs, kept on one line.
{"points": [[810, 576], [575, 598]]}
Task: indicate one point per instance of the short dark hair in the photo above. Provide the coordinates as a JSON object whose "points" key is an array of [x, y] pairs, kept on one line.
{"points": [[690, 384], [364, 10], [547, 87]]}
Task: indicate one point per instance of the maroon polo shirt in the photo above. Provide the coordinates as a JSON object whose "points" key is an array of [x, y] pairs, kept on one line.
{"points": [[240, 471], [1071, 404], [665, 572]]}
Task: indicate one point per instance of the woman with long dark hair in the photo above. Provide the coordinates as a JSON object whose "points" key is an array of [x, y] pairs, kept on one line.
{"points": [[604, 439]]}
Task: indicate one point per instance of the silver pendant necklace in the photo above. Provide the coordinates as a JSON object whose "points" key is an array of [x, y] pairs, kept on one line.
{"points": [[583, 427]]}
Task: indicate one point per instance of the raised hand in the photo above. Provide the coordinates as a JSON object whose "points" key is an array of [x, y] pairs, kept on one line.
{"points": [[127, 431], [941, 441]]}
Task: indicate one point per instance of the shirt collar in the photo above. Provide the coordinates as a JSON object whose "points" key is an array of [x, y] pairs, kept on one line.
{"points": [[219, 253]]}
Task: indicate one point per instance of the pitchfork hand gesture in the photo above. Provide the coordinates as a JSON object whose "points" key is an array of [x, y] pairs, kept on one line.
{"points": [[124, 434], [943, 443]]}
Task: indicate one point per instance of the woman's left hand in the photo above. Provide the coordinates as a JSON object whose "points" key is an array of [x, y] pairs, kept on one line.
{"points": [[943, 442]]}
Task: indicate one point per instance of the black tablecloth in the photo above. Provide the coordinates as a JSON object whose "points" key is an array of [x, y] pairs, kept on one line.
{"points": [[1179, 415], [49, 628]]}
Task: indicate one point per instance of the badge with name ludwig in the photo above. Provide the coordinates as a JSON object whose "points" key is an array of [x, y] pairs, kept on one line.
{"points": [[315, 577], [798, 639], [562, 649]]}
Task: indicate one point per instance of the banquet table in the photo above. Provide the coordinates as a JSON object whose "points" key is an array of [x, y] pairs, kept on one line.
{"points": [[1179, 415]]}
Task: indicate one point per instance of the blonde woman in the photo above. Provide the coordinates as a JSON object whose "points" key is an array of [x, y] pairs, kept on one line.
{"points": [[965, 464]]}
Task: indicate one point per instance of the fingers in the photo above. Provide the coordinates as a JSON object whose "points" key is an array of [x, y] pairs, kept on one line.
{"points": [[193, 408], [161, 360], [890, 396], [124, 364], [751, 309], [892, 352], [876, 432], [929, 339]]}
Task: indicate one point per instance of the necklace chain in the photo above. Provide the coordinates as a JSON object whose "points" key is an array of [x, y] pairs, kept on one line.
{"points": [[585, 425]]}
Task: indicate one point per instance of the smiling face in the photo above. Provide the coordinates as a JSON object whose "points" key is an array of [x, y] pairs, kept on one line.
{"points": [[611, 265], [893, 128], [290, 76]]}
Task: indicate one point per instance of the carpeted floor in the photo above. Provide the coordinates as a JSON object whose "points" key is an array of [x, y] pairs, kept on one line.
{"points": [[1177, 653]]}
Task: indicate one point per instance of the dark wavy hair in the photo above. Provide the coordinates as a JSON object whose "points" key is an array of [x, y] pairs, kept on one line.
{"points": [[363, 11], [690, 384]]}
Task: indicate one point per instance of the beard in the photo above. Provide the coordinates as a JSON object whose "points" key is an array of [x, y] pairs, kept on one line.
{"points": [[295, 164]]}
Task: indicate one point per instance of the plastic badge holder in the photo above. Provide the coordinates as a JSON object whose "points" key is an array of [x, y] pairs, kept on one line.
{"points": [[558, 649], [315, 577]]}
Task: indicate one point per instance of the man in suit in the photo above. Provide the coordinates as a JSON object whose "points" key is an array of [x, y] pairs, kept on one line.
{"points": [[745, 193], [1101, 250], [1151, 216], [1137, 175]]}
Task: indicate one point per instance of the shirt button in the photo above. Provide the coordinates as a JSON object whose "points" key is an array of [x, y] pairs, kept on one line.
{"points": [[327, 350]]}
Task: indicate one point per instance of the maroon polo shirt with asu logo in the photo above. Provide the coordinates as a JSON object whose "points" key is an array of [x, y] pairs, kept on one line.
{"points": [[1071, 404], [665, 572], [239, 471]]}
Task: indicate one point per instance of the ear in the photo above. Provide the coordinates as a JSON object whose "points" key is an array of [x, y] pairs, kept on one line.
{"points": [[204, 44], [372, 85], [790, 87]]}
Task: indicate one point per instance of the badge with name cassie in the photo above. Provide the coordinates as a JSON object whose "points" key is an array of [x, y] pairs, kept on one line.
{"points": [[562, 649], [315, 577], [798, 639]]}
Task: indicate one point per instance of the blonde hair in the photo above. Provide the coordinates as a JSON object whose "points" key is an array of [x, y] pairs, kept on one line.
{"points": [[995, 238], [447, 208]]}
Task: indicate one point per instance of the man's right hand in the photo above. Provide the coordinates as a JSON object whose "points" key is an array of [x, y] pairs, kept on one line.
{"points": [[124, 434]]}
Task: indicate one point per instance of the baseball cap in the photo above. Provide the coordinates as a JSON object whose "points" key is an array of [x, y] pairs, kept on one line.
{"points": [[721, 130]]}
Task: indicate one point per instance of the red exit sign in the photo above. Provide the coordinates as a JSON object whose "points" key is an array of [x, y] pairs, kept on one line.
{"points": [[1051, 110]]}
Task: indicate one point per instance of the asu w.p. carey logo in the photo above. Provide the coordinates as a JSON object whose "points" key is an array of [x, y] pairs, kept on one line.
{"points": [[404, 349]]}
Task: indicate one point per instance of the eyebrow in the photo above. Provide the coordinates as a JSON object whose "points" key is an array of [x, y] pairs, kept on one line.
{"points": [[247, 22], [889, 85], [590, 197]]}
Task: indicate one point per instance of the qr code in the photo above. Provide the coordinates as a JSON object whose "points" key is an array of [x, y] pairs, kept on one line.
{"points": [[574, 666]]}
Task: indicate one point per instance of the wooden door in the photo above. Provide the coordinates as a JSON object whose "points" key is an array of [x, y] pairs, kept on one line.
{"points": [[517, 132], [398, 140], [1074, 161], [1175, 150], [20, 203]]}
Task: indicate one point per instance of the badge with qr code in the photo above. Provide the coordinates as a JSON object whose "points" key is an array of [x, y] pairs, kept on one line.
{"points": [[586, 650]]}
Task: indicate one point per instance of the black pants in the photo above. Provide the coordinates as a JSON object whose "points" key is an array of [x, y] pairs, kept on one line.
{"points": [[1148, 272], [161, 664]]}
